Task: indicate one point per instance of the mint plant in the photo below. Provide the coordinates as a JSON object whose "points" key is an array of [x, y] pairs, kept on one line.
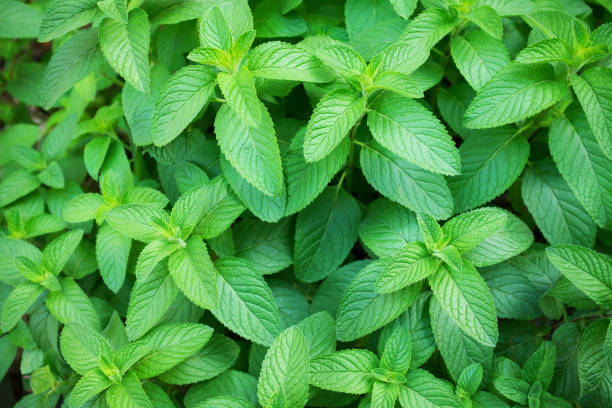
{"points": [[306, 203]]}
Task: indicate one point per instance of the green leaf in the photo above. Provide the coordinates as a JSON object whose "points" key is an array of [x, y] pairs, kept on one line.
{"points": [[221, 208], [82, 347], [90, 385], [332, 119], [337, 55], [413, 133], [136, 221], [433, 236], [345, 371], [470, 379], [252, 150], [183, 96], [397, 353], [464, 295], [71, 304], [552, 50], [18, 302], [19, 20], [540, 366], [595, 95], [265, 207], [267, 247], [94, 154], [384, 394], [128, 394], [73, 61], [225, 402], [280, 60], [115, 9], [170, 345], [398, 83], [126, 48], [112, 252], [514, 389], [387, 227], [594, 365], [284, 372], [246, 304], [589, 270], [152, 254], [468, 230], [16, 185], [232, 383], [187, 211], [362, 309], [408, 265], [487, 20], [583, 165], [216, 356], [52, 176], [556, 211], [149, 301], [194, 273], [513, 94], [405, 183], [56, 254], [325, 232], [214, 30], [241, 95], [510, 7], [424, 390], [488, 169], [319, 330], [404, 8], [478, 57], [457, 348], [63, 16], [512, 239]]}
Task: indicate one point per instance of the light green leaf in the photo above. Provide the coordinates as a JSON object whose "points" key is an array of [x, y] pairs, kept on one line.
{"points": [[594, 92], [552, 50], [325, 232], [280, 60], [188, 209], [115, 9], [252, 150], [345, 371], [56, 254], [82, 347], [306, 180], [362, 309], [127, 394], [183, 96], [413, 133], [319, 330], [397, 352], [405, 183], [583, 165], [424, 390], [241, 95], [408, 265], [478, 57], [63, 16], [246, 305], [52, 176], [284, 372], [221, 208], [216, 356], [458, 350], [589, 270], [594, 363], [237, 384], [152, 254], [487, 20], [94, 154], [214, 31], [170, 345], [337, 55], [90, 385], [398, 83], [71, 304], [388, 226], [18, 302], [513, 94], [149, 301], [488, 169], [404, 8], [333, 117], [194, 273], [556, 211], [467, 300], [469, 229], [112, 252], [136, 221], [73, 61], [16, 185], [267, 247], [126, 48], [541, 365]]}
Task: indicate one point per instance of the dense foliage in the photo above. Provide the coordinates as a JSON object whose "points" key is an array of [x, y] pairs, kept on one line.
{"points": [[322, 203]]}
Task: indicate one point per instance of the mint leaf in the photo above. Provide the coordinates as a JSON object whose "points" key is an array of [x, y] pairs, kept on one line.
{"points": [[344, 371]]}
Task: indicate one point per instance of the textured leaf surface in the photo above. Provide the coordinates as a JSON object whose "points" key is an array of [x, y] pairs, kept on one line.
{"points": [[424, 390], [64, 16], [344, 371], [413, 133], [405, 183], [325, 232]]}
